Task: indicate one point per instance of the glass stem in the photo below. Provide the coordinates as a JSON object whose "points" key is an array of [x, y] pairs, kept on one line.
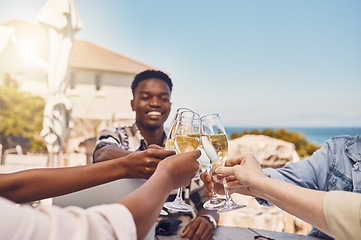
{"points": [[226, 191], [179, 195]]}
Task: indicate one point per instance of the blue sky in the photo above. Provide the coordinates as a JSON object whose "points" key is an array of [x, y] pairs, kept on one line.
{"points": [[274, 63]]}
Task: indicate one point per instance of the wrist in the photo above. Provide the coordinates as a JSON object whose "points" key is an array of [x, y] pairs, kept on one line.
{"points": [[164, 178], [210, 218], [257, 184]]}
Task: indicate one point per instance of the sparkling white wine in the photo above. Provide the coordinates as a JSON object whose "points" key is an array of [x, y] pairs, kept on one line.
{"points": [[185, 143], [216, 147], [169, 145], [204, 159]]}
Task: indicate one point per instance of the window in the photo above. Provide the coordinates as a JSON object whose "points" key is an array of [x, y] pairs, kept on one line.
{"points": [[72, 81], [98, 82]]}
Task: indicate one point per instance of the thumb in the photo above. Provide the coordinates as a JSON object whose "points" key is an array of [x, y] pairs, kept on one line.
{"points": [[194, 154], [185, 231], [224, 171], [154, 146]]}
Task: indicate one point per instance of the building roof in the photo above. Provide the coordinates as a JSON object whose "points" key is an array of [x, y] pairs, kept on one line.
{"points": [[91, 56], [86, 55]]}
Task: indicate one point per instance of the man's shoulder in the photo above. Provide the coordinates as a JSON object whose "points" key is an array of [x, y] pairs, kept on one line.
{"points": [[345, 139], [116, 129], [345, 143]]}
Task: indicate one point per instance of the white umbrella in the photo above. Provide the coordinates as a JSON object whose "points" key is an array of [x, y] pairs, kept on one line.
{"points": [[62, 21], [7, 34], [10, 60]]}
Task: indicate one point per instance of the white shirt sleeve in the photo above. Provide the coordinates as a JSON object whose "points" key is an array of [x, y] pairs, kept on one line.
{"points": [[113, 221]]}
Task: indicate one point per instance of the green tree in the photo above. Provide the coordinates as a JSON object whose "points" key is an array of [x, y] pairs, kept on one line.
{"points": [[303, 147], [21, 113], [9, 81]]}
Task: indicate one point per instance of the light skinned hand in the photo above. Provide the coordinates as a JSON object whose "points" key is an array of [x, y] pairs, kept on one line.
{"points": [[214, 182], [208, 185], [246, 170]]}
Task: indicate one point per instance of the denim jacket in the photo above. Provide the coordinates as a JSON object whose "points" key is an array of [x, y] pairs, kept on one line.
{"points": [[336, 166]]}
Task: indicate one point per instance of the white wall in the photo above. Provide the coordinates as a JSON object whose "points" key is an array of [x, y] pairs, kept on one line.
{"points": [[111, 101]]}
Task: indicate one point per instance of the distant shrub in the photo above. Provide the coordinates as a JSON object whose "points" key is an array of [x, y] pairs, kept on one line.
{"points": [[21, 114], [303, 147]]}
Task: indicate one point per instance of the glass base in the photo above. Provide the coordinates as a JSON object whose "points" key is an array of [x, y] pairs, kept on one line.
{"points": [[178, 205], [214, 204], [230, 206], [163, 213]]}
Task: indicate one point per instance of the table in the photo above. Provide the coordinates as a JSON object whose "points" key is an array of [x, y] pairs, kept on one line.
{"points": [[231, 233]]}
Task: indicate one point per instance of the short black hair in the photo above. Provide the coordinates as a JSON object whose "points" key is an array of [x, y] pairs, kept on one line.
{"points": [[151, 74]]}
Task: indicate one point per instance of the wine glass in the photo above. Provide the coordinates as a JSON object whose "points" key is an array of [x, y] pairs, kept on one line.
{"points": [[215, 145], [178, 204], [215, 202]]}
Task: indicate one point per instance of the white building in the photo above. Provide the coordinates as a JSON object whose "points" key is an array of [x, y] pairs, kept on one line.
{"points": [[99, 81]]}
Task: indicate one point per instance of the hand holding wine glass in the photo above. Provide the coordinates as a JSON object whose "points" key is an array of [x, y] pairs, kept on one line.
{"points": [[216, 202], [178, 140], [215, 144]]}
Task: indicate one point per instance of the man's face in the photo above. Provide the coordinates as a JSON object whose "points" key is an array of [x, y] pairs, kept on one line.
{"points": [[151, 103]]}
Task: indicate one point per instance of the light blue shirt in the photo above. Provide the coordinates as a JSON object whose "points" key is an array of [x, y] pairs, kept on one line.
{"points": [[336, 166]]}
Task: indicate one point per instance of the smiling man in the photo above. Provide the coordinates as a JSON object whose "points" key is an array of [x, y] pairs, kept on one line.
{"points": [[151, 103]]}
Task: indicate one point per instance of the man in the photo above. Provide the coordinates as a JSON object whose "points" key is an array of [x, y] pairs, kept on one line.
{"points": [[151, 102], [336, 166], [319, 208], [131, 218]]}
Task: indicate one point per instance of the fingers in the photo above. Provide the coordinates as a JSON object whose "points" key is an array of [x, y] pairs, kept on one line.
{"points": [[155, 146], [185, 159], [240, 160], [224, 171], [186, 230], [232, 161], [207, 184], [233, 165], [181, 167], [199, 228], [205, 177], [159, 152], [195, 154]]}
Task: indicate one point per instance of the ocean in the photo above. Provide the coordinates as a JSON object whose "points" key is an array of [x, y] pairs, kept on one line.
{"points": [[313, 134]]}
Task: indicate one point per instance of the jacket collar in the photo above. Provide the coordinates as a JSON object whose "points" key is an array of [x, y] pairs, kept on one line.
{"points": [[353, 148]]}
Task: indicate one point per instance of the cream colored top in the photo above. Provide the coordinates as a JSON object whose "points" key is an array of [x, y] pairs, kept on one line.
{"points": [[113, 221], [342, 211]]}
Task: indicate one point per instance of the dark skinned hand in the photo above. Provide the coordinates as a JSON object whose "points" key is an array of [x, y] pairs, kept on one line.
{"points": [[198, 228]]}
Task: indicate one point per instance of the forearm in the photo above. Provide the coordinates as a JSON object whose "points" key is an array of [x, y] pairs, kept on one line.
{"points": [[108, 153], [36, 184], [303, 203], [146, 202]]}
